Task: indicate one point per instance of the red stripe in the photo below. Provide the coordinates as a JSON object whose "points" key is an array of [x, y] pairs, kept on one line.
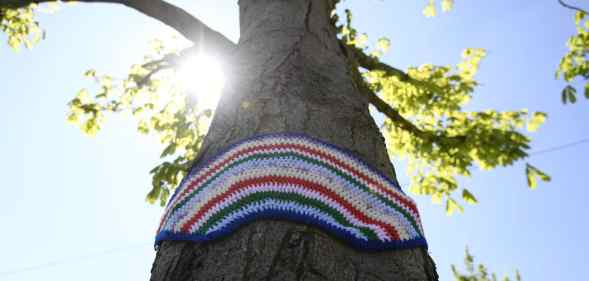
{"points": [[193, 184], [245, 184], [357, 173], [319, 153], [197, 181]]}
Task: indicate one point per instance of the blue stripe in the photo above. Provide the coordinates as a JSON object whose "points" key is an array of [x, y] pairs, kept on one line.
{"points": [[291, 215]]}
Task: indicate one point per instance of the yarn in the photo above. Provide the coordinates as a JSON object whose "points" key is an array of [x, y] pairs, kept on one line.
{"points": [[296, 178]]}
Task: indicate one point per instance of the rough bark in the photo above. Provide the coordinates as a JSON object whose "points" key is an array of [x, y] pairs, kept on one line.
{"points": [[290, 75]]}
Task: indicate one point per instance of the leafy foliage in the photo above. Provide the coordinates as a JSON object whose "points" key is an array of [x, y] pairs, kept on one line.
{"points": [[151, 93], [574, 64], [20, 26], [478, 272], [430, 9], [450, 141]]}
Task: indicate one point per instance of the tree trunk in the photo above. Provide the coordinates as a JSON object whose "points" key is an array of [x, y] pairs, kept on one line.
{"points": [[290, 75]]}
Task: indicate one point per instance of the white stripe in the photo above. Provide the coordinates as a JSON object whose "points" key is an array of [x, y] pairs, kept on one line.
{"points": [[199, 201]]}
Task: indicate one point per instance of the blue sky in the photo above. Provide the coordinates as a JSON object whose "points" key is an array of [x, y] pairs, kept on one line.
{"points": [[66, 196]]}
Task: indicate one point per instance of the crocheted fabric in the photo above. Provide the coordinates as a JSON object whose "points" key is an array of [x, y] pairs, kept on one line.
{"points": [[297, 178]]}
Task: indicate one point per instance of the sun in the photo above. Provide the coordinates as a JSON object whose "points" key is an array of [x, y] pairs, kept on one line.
{"points": [[202, 77]]}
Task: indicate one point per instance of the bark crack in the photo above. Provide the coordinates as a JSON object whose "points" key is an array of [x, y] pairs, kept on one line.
{"points": [[356, 271], [296, 46], [316, 272], [248, 255], [307, 239], [276, 258], [308, 16]]}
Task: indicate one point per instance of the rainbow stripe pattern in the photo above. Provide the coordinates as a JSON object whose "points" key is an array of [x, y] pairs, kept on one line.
{"points": [[297, 178]]}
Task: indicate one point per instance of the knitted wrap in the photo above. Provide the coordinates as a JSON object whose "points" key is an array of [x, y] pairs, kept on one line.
{"points": [[297, 178]]}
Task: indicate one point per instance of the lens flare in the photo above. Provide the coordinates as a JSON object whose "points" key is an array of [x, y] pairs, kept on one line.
{"points": [[202, 77]]}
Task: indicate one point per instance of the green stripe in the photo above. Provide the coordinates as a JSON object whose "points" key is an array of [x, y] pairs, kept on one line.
{"points": [[311, 160], [285, 196]]}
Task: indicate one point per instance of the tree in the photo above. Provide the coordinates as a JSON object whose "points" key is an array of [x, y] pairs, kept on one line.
{"points": [[299, 68]]}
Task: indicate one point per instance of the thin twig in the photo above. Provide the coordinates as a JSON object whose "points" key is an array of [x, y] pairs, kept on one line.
{"points": [[568, 6]]}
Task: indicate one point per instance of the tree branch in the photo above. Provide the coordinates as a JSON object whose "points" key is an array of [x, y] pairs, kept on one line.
{"points": [[568, 6], [152, 72], [372, 63], [390, 112], [402, 122], [186, 24], [384, 107]]}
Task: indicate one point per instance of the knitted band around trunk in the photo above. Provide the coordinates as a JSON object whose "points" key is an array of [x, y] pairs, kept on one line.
{"points": [[296, 178]]}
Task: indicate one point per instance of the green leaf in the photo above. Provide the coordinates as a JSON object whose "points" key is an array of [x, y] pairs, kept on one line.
{"points": [[73, 118], [157, 45], [447, 5], [537, 120], [20, 26], [138, 111], [169, 150], [437, 197], [468, 197], [361, 40], [143, 127], [91, 73], [90, 127], [165, 194], [452, 206], [569, 94], [579, 16], [430, 10], [533, 174], [477, 272], [383, 44], [153, 194], [83, 96]]}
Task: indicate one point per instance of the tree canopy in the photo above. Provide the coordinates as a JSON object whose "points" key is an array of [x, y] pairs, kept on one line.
{"points": [[424, 105]]}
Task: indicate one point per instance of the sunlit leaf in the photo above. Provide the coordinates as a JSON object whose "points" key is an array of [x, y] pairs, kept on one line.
{"points": [[452, 206], [383, 44], [91, 73], [20, 26], [468, 197], [169, 150], [533, 174], [537, 120], [430, 9], [447, 5], [478, 272]]}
